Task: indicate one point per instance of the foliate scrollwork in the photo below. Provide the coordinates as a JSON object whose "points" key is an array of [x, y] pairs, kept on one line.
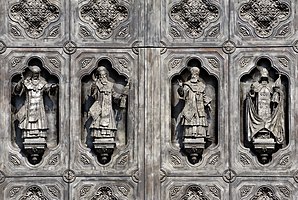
{"points": [[14, 191], [55, 31], [14, 159], [55, 62], [123, 32], [34, 16], [84, 159], [284, 30], [265, 192], [284, 190], [84, 190], [174, 32], [124, 190], [194, 192], [105, 193], [213, 159], [214, 31], [264, 16], [244, 159], [215, 191], [54, 159], [194, 16], [245, 190], [174, 190], [243, 30], [244, 61], [175, 160], [34, 192], [15, 61], [54, 191], [214, 62], [284, 160], [284, 61], [86, 62], [104, 16], [15, 31], [123, 159]]}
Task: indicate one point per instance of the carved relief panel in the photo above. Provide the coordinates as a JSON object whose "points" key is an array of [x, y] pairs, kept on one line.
{"points": [[261, 22], [32, 188], [41, 22], [33, 101], [193, 138], [109, 22], [198, 188], [264, 139], [111, 189], [189, 22], [105, 97], [267, 188]]}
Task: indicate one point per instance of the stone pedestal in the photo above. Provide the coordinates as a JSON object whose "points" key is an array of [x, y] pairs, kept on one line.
{"points": [[194, 148], [104, 147], [35, 148]]}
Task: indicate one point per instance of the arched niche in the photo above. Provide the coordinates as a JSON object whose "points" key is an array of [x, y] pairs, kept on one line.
{"points": [[104, 144], [35, 110], [208, 86], [264, 108]]}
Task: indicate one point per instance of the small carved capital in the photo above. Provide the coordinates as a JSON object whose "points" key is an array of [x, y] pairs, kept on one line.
{"points": [[295, 46], [2, 177], [2, 47], [162, 175], [229, 176], [135, 176], [229, 47], [69, 176], [295, 176], [70, 47]]}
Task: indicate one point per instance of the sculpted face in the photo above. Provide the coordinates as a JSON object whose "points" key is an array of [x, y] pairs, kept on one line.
{"points": [[35, 76], [103, 76]]}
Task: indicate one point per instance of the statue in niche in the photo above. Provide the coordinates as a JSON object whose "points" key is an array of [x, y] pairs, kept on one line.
{"points": [[265, 115], [32, 116], [104, 125], [195, 115], [197, 104]]}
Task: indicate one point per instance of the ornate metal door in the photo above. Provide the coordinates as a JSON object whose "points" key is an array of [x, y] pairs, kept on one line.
{"points": [[165, 99]]}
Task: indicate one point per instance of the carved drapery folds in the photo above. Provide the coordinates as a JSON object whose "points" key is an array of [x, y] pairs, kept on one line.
{"points": [[104, 16], [105, 109], [193, 110], [264, 16], [34, 15], [35, 110], [264, 106], [194, 16]]}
